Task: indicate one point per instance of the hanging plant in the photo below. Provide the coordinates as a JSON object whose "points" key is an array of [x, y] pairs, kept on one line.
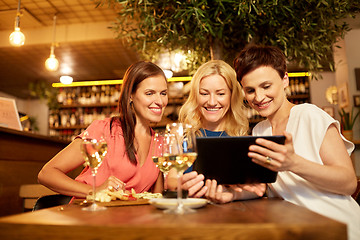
{"points": [[305, 30], [45, 92]]}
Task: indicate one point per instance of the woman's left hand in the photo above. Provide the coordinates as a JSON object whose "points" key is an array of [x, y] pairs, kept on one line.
{"points": [[219, 193], [274, 156], [228, 193]]}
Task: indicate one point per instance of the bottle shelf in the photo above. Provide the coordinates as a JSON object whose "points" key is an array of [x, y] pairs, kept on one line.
{"points": [[114, 104], [79, 106], [68, 127], [300, 96], [94, 105]]}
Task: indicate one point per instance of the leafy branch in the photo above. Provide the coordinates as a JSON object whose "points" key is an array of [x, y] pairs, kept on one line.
{"points": [[305, 30], [44, 91]]}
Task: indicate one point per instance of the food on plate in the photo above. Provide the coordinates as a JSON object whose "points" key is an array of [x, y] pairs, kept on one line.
{"points": [[108, 195], [145, 195]]}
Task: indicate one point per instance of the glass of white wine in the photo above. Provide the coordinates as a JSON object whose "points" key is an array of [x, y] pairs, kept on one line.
{"points": [[161, 149], [94, 151], [185, 141]]}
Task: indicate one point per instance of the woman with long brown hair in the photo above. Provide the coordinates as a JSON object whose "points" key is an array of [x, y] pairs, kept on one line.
{"points": [[128, 162]]}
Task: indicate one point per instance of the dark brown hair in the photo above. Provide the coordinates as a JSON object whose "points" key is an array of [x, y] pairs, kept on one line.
{"points": [[255, 56], [134, 75]]}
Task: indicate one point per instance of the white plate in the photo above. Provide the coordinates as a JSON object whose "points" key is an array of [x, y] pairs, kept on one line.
{"points": [[165, 203]]}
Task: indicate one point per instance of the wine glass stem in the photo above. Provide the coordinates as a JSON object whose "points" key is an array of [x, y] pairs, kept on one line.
{"points": [[165, 174], [179, 192], [94, 185]]}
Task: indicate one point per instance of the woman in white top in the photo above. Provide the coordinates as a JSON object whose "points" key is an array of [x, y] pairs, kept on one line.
{"points": [[315, 169]]}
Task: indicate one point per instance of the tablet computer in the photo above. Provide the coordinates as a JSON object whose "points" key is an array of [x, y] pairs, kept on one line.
{"points": [[226, 160]]}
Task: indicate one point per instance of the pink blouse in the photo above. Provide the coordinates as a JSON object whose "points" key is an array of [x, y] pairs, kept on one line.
{"points": [[116, 162]]}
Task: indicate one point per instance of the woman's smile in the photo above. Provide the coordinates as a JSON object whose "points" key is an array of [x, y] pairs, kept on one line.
{"points": [[214, 99]]}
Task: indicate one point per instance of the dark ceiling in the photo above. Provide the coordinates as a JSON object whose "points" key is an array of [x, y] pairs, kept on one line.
{"points": [[91, 59]]}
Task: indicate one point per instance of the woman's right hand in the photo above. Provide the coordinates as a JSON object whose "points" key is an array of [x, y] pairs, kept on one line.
{"points": [[112, 184], [194, 183]]}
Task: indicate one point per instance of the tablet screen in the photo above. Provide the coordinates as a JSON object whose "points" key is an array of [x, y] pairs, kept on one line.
{"points": [[225, 160]]}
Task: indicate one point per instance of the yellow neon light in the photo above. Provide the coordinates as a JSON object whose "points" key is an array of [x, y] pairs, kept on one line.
{"points": [[179, 79], [110, 82], [120, 81], [299, 74], [88, 83]]}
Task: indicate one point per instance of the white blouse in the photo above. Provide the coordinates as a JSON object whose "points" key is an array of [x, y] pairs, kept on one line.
{"points": [[308, 125]]}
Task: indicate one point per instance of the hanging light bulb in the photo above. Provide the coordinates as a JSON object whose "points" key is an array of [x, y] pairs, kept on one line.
{"points": [[52, 64], [17, 38]]}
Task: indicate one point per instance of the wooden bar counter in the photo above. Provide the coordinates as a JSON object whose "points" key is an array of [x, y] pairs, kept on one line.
{"points": [[253, 219], [22, 155]]}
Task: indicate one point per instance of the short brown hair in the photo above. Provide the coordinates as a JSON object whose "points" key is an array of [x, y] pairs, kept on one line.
{"points": [[255, 56]]}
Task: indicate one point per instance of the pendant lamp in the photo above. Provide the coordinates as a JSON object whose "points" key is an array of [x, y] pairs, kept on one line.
{"points": [[52, 64], [17, 38]]}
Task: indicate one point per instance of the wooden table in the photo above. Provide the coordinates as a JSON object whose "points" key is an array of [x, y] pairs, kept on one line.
{"points": [[253, 219]]}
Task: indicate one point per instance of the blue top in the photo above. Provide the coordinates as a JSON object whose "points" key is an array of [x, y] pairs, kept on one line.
{"points": [[208, 133]]}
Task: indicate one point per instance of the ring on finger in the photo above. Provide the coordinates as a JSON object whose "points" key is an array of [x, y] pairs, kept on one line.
{"points": [[268, 160], [117, 187]]}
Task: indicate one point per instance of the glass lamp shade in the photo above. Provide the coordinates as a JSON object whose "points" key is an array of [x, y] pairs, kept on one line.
{"points": [[66, 79], [52, 64], [168, 73], [17, 38]]}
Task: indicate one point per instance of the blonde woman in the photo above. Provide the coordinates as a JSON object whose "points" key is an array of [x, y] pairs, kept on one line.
{"points": [[215, 107], [215, 103]]}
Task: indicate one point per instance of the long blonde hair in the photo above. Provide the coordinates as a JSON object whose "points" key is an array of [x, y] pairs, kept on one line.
{"points": [[236, 122]]}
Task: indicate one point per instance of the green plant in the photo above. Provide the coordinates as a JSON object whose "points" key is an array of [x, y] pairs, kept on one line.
{"points": [[305, 30], [33, 124], [44, 91], [348, 119]]}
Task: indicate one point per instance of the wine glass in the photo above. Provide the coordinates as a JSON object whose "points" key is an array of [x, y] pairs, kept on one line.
{"points": [[185, 141], [160, 151], [94, 150]]}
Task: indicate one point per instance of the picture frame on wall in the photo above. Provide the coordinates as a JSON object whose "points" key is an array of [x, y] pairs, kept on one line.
{"points": [[329, 110], [357, 100], [343, 96]]}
